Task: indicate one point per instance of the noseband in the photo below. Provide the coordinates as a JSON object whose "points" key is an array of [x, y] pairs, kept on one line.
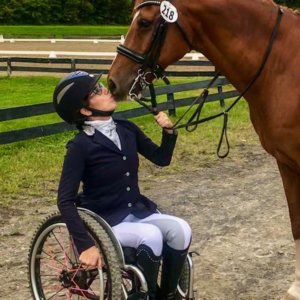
{"points": [[150, 69]]}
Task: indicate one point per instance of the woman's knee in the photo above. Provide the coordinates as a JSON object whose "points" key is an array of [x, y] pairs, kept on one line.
{"points": [[179, 235], [153, 238]]}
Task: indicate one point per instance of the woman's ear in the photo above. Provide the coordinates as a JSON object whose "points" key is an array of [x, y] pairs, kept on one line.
{"points": [[85, 112]]}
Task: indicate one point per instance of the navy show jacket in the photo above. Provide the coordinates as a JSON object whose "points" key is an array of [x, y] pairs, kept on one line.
{"points": [[109, 177]]}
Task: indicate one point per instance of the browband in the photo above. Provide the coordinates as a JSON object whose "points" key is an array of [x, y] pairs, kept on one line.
{"points": [[147, 3]]}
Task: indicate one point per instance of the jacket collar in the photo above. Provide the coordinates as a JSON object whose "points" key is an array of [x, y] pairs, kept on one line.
{"points": [[100, 138]]}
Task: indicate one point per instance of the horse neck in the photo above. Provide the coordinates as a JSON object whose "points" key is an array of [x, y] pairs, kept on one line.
{"points": [[233, 34]]}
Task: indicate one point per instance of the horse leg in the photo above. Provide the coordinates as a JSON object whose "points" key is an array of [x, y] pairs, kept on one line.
{"points": [[291, 183]]}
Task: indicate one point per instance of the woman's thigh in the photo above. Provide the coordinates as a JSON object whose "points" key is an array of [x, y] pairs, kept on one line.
{"points": [[176, 231], [133, 234]]}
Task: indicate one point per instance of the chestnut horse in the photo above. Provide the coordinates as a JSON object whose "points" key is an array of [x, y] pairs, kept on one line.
{"points": [[234, 35]]}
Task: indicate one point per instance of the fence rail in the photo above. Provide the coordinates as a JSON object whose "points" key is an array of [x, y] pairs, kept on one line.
{"points": [[181, 68], [66, 65], [66, 39]]}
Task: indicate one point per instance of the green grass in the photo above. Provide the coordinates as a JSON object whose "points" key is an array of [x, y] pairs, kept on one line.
{"points": [[20, 91], [59, 31], [32, 168]]}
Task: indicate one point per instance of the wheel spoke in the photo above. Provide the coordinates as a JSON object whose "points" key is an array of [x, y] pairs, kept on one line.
{"points": [[62, 247], [55, 294], [55, 271]]}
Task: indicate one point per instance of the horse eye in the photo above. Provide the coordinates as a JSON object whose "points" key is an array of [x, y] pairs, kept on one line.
{"points": [[144, 23]]}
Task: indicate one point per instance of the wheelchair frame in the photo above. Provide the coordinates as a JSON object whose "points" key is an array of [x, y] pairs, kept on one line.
{"points": [[73, 279]]}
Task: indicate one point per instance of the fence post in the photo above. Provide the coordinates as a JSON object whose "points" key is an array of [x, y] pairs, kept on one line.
{"points": [[170, 98], [9, 68], [73, 65], [221, 96]]}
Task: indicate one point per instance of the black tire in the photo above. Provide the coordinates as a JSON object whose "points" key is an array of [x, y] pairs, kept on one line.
{"points": [[184, 282], [55, 272]]}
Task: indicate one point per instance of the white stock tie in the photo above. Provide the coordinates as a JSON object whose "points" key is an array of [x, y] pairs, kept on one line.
{"points": [[107, 127]]}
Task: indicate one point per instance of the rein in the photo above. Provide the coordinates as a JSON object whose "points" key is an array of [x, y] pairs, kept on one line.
{"points": [[150, 61]]}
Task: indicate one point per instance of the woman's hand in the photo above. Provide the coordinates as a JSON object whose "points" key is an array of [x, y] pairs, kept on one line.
{"points": [[163, 121], [91, 257]]}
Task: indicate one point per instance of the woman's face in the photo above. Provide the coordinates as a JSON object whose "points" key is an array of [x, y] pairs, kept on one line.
{"points": [[101, 99]]}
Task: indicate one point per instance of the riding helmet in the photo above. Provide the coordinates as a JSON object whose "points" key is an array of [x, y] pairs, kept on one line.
{"points": [[70, 93]]}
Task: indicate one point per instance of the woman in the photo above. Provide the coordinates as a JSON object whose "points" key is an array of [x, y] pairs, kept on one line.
{"points": [[104, 157]]}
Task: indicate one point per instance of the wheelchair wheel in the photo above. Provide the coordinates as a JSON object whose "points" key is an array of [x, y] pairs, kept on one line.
{"points": [[184, 282], [134, 283], [54, 268]]}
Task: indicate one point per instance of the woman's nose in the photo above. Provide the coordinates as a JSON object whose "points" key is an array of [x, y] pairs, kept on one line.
{"points": [[105, 91]]}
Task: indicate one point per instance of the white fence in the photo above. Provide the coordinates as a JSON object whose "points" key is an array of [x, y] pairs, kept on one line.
{"points": [[53, 41], [55, 54]]}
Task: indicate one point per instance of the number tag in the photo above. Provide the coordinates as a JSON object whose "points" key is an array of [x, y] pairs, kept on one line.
{"points": [[168, 11]]}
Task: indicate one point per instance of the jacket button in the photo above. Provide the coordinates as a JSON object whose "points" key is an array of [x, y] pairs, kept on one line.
{"points": [[124, 157], [127, 173], [129, 204], [128, 189]]}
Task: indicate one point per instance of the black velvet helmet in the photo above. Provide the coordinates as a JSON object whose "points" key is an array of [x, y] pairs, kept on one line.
{"points": [[70, 93]]}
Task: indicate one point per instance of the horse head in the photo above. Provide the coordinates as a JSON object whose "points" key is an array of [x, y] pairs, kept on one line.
{"points": [[154, 41]]}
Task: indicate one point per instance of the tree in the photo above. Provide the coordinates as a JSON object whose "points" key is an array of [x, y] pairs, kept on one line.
{"points": [[120, 11], [289, 3], [101, 13], [75, 11]]}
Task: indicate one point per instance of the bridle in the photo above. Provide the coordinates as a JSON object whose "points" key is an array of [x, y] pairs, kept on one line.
{"points": [[150, 69], [150, 61]]}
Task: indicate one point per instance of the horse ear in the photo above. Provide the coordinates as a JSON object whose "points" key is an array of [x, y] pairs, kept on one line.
{"points": [[132, 3], [132, 7]]}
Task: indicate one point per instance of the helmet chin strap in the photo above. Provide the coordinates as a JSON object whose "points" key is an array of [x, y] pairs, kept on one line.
{"points": [[100, 113]]}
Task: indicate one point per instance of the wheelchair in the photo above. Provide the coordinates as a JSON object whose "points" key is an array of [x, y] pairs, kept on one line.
{"points": [[54, 270]]}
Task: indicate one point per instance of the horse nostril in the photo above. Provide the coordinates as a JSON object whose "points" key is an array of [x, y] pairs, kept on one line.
{"points": [[112, 86]]}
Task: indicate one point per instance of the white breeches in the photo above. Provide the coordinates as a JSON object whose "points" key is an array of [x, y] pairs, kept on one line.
{"points": [[153, 231]]}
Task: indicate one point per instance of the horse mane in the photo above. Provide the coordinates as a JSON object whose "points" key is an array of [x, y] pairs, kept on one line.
{"points": [[294, 11]]}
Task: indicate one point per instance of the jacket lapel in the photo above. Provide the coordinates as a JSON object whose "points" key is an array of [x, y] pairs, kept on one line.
{"points": [[100, 138], [127, 139], [122, 135]]}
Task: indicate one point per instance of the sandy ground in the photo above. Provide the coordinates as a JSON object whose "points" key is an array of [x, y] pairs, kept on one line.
{"points": [[236, 208], [59, 46], [238, 214]]}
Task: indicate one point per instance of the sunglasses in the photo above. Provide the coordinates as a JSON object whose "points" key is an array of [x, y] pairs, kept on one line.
{"points": [[97, 90]]}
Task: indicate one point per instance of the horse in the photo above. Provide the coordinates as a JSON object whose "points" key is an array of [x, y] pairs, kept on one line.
{"points": [[254, 44]]}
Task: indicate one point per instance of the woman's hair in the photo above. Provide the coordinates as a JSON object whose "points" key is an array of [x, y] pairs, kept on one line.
{"points": [[79, 118], [79, 122]]}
